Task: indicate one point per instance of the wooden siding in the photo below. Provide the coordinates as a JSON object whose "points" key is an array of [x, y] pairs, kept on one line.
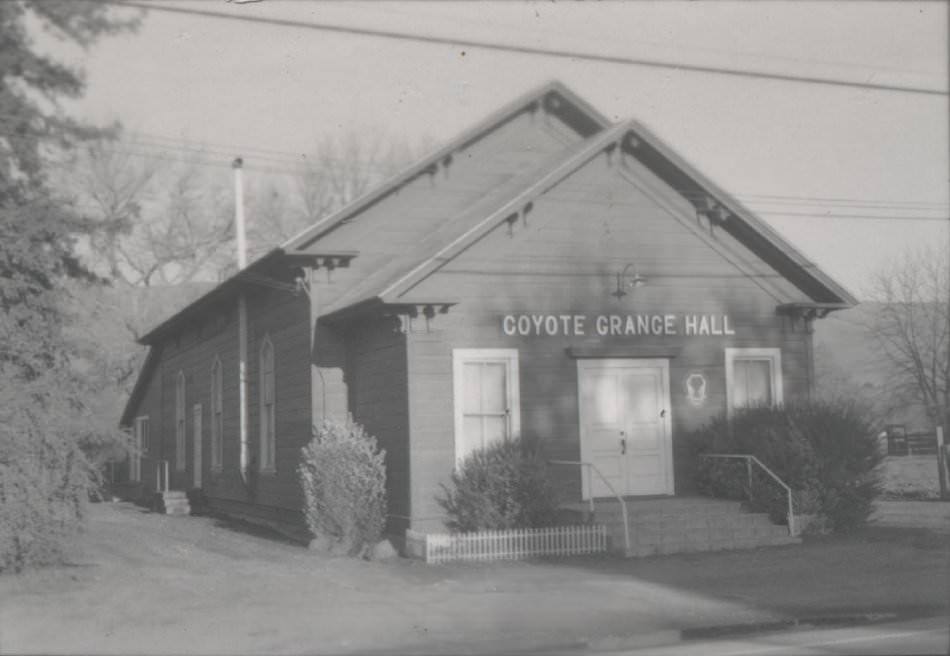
{"points": [[398, 223], [150, 405], [378, 399], [564, 261], [285, 318]]}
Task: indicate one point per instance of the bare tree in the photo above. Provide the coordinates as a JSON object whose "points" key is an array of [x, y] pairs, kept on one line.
{"points": [[912, 328], [336, 172], [163, 221]]}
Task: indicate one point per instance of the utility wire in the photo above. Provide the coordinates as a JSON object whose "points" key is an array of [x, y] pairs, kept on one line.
{"points": [[495, 25], [815, 215], [529, 50], [202, 156]]}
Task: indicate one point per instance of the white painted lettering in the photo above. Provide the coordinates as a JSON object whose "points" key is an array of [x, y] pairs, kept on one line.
{"points": [[703, 325], [725, 325], [669, 324], [579, 324], [690, 324], [537, 320], [630, 327], [643, 324], [524, 325], [616, 324]]}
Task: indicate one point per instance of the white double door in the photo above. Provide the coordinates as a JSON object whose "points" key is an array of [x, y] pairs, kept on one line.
{"points": [[625, 427]]}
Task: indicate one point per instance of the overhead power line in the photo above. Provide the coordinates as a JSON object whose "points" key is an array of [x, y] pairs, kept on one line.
{"points": [[529, 50], [814, 215]]}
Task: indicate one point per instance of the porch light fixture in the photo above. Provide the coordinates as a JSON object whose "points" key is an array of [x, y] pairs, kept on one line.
{"points": [[623, 281]]}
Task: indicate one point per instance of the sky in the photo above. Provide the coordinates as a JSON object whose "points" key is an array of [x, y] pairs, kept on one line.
{"points": [[243, 86]]}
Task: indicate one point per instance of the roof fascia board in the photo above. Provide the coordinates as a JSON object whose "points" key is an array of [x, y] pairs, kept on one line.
{"points": [[759, 226], [597, 144], [495, 119]]}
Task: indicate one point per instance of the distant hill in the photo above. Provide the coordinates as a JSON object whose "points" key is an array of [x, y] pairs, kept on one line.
{"points": [[849, 363]]}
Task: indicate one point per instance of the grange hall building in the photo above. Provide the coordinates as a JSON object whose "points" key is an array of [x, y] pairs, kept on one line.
{"points": [[548, 273]]}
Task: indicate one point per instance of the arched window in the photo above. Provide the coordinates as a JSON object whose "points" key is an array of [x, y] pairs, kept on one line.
{"points": [[217, 416], [268, 413], [180, 422]]}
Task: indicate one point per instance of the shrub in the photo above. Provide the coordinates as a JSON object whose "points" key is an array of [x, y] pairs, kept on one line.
{"points": [[504, 485], [48, 469], [827, 452], [343, 476]]}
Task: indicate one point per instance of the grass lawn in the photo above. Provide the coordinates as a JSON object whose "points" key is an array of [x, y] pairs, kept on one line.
{"points": [[146, 583], [911, 477]]}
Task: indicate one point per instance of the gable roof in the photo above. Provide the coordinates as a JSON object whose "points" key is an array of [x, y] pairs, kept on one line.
{"points": [[556, 97], [391, 282], [576, 111]]}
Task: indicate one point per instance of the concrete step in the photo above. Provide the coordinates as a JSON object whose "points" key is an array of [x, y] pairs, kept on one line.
{"points": [[685, 524], [171, 502], [673, 546]]}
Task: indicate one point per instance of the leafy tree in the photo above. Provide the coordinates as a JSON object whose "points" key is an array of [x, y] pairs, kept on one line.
{"points": [[47, 439]]}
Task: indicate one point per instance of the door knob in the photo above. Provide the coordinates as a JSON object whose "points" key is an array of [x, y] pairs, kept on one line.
{"points": [[662, 413]]}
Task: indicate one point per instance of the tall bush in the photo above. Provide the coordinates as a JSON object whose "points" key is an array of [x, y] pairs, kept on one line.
{"points": [[826, 451], [343, 476], [504, 485], [49, 468]]}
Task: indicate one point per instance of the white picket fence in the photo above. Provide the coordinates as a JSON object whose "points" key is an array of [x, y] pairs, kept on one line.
{"points": [[507, 545]]}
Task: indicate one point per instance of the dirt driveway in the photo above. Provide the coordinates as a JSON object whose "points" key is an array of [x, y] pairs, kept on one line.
{"points": [[146, 583]]}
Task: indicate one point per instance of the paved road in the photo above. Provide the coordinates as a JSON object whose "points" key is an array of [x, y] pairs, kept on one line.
{"points": [[921, 636]]}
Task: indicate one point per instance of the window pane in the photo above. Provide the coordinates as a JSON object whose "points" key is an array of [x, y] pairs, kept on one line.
{"points": [[494, 394], [269, 387], [496, 429], [471, 387], [753, 382], [471, 435]]}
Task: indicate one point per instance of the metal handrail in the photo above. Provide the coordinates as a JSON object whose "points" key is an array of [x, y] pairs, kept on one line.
{"points": [[590, 496], [749, 459]]}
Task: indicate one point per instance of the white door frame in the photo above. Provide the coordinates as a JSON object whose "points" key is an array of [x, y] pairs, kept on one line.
{"points": [[663, 364], [198, 442]]}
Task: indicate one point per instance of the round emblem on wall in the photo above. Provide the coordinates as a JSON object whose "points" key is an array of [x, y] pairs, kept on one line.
{"points": [[696, 389]]}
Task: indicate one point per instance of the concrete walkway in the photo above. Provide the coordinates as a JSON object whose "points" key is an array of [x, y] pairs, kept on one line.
{"points": [[933, 515]]}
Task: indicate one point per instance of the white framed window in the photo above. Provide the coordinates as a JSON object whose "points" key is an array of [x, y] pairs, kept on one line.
{"points": [[217, 416], [140, 445], [180, 436], [753, 377], [268, 403], [486, 398]]}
